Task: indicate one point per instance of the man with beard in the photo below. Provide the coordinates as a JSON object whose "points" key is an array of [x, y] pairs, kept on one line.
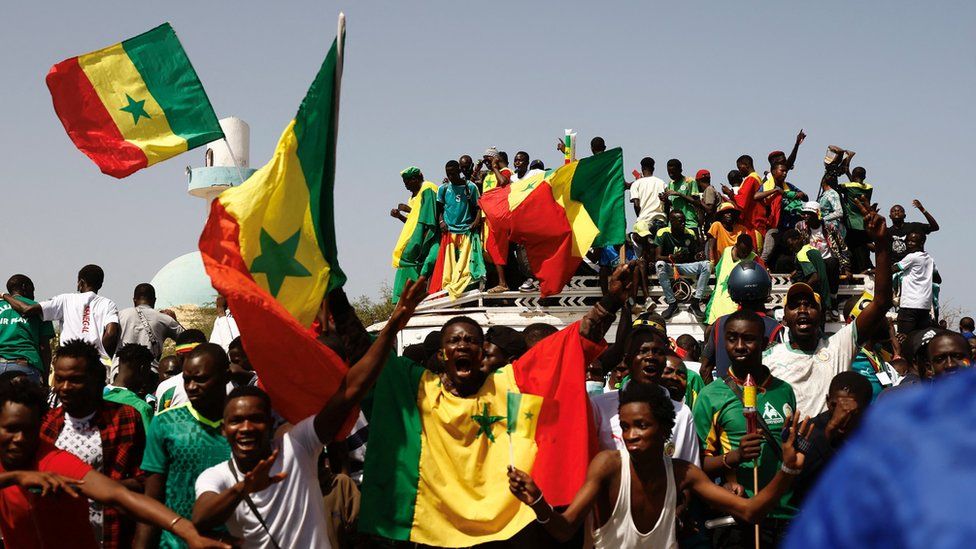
{"points": [[633, 491], [808, 360]]}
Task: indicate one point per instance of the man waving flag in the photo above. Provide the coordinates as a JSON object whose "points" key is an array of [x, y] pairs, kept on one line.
{"points": [[134, 104], [269, 247]]}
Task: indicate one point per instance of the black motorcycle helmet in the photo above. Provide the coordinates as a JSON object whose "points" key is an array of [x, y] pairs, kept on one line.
{"points": [[749, 282]]}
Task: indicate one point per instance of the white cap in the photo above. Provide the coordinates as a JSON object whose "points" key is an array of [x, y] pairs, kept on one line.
{"points": [[813, 207]]}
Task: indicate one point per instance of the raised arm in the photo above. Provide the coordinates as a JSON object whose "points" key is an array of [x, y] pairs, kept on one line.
{"points": [[361, 376], [791, 159], [145, 509], [933, 224], [597, 321], [873, 315], [563, 526]]}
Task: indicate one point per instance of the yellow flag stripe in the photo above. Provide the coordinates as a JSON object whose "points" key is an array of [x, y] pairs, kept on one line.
{"points": [[116, 80], [585, 230], [276, 200]]}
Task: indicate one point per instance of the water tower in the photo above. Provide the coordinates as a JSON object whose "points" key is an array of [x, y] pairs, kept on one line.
{"points": [[183, 281]]}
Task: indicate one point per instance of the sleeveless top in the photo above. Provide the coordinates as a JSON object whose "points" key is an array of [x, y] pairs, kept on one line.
{"points": [[620, 531]]}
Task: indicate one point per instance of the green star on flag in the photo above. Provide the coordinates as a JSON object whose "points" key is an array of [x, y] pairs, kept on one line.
{"points": [[277, 260], [485, 421], [136, 108]]}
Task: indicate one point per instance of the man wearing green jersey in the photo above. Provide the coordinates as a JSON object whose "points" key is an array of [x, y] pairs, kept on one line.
{"points": [[728, 450], [186, 440], [24, 340]]}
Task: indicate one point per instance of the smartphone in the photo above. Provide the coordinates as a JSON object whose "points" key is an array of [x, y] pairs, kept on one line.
{"points": [[636, 174]]}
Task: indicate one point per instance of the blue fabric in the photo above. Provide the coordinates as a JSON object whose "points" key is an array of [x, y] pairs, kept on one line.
{"points": [[28, 371], [610, 256], [907, 477], [699, 270]]}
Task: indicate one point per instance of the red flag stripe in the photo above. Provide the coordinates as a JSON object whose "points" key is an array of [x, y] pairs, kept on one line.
{"points": [[88, 123], [299, 372]]}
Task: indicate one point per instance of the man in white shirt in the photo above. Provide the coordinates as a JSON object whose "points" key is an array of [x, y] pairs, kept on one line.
{"points": [[268, 493], [225, 327], [645, 195], [646, 352], [84, 315], [143, 325], [918, 274], [809, 360]]}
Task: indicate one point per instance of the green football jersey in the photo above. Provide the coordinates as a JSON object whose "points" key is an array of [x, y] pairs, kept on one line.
{"points": [[693, 389], [181, 445], [721, 425]]}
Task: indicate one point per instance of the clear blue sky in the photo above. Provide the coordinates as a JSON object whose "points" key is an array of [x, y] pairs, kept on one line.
{"points": [[428, 81]]}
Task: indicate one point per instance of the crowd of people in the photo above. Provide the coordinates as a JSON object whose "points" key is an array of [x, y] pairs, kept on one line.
{"points": [[107, 442]]}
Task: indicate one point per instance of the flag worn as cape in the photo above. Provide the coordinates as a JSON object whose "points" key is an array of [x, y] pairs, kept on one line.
{"points": [[269, 248], [558, 215], [134, 104], [460, 262], [436, 468], [418, 236]]}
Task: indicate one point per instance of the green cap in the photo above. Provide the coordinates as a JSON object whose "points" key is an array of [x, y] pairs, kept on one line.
{"points": [[412, 171]]}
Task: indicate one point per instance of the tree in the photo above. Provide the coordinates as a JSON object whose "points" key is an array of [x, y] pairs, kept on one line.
{"points": [[371, 312]]}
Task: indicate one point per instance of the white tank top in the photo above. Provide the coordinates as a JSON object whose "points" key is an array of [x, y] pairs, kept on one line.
{"points": [[620, 531]]}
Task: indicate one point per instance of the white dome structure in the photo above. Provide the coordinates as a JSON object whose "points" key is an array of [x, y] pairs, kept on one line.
{"points": [[184, 281]]}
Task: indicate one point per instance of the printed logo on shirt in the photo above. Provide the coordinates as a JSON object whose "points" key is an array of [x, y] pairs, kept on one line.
{"points": [[86, 319], [771, 415], [787, 410]]}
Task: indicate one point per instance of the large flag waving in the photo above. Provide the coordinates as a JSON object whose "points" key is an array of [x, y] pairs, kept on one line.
{"points": [[134, 104], [269, 248], [436, 470], [558, 215]]}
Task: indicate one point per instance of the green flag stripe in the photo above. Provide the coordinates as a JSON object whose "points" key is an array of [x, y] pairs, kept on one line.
{"points": [[315, 128], [598, 184], [514, 403], [159, 57]]}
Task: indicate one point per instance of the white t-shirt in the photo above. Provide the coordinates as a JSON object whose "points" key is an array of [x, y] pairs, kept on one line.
{"points": [[81, 437], [916, 282], [683, 443], [292, 508], [810, 374], [646, 190], [83, 316], [224, 331]]}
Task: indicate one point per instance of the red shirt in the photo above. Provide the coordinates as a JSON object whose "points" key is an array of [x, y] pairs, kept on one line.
{"points": [[29, 521], [753, 214]]}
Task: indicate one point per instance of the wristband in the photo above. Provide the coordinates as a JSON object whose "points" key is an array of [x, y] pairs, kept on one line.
{"points": [[540, 521], [726, 463], [173, 523], [789, 471]]}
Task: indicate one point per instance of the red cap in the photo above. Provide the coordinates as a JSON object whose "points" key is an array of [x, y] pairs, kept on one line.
{"points": [[701, 174]]}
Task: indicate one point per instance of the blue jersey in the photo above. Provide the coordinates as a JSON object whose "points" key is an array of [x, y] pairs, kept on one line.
{"points": [[905, 479]]}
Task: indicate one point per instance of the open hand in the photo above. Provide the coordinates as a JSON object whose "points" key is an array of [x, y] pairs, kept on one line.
{"points": [[48, 483], [561, 146], [522, 486], [413, 293], [792, 457], [918, 205], [257, 479]]}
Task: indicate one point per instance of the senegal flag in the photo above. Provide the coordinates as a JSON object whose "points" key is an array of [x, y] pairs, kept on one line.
{"points": [[133, 104], [417, 238], [269, 248], [436, 470], [558, 215]]}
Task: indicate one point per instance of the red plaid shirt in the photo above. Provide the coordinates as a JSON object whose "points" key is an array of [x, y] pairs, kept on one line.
{"points": [[123, 442]]}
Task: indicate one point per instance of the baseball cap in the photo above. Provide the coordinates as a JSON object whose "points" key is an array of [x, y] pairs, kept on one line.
{"points": [[802, 288], [812, 207], [724, 206], [652, 320], [702, 173]]}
